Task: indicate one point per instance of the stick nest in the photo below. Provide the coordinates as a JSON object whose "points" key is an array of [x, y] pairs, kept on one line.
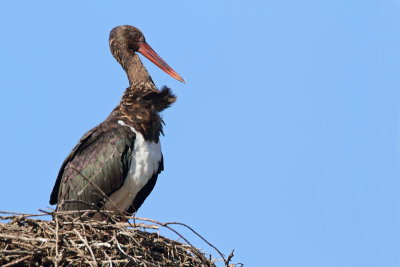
{"points": [[77, 241]]}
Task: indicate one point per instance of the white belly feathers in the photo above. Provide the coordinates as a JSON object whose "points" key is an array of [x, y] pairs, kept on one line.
{"points": [[146, 158]]}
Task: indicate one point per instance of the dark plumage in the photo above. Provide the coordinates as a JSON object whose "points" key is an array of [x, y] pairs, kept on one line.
{"points": [[102, 161]]}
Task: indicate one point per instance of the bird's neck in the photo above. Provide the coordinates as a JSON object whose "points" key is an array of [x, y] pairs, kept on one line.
{"points": [[137, 74]]}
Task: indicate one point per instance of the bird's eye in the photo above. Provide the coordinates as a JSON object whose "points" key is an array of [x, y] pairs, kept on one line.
{"points": [[139, 37], [134, 35]]}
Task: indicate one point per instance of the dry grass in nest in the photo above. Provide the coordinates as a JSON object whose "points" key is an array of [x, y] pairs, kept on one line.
{"points": [[76, 241]]}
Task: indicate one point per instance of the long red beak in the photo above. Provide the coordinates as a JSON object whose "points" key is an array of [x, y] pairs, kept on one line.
{"points": [[151, 55]]}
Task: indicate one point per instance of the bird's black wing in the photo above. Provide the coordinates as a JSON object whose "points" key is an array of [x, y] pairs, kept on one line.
{"points": [[101, 158]]}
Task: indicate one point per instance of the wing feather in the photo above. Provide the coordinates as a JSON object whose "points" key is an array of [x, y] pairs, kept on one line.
{"points": [[98, 163]]}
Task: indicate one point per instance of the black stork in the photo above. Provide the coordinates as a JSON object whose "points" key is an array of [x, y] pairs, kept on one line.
{"points": [[115, 165]]}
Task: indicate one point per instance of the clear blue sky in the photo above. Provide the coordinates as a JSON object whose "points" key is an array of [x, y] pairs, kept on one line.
{"points": [[283, 145]]}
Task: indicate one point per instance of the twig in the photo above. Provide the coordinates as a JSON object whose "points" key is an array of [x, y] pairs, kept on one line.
{"points": [[87, 245], [5, 251], [23, 214], [205, 240], [26, 238], [56, 232], [109, 259], [229, 258], [80, 252], [17, 261]]}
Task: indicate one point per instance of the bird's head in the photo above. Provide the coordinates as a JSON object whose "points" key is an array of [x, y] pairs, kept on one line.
{"points": [[130, 39]]}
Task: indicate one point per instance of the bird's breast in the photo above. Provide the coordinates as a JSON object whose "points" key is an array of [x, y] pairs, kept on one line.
{"points": [[146, 158]]}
